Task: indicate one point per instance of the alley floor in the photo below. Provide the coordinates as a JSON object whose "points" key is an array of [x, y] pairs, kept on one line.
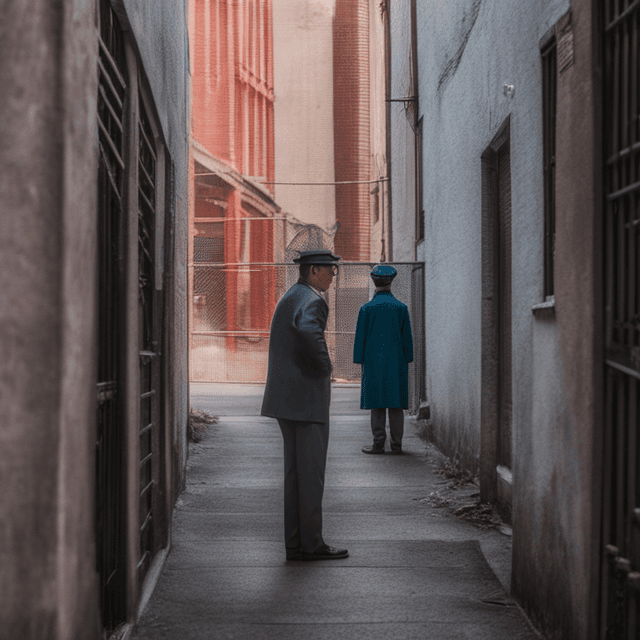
{"points": [[414, 570]]}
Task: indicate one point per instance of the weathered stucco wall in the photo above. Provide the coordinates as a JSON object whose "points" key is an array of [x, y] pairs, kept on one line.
{"points": [[468, 49], [303, 108], [48, 162], [467, 52], [557, 529], [47, 248]]}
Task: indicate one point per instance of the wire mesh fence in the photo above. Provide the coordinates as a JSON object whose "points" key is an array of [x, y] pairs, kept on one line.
{"points": [[233, 305]]}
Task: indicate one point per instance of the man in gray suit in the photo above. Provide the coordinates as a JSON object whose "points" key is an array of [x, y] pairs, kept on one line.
{"points": [[297, 394]]}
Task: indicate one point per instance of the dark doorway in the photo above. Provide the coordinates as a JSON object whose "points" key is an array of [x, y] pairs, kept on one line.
{"points": [[620, 593], [496, 322]]}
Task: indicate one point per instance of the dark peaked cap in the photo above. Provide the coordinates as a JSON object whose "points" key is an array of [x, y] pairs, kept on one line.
{"points": [[317, 256], [383, 272]]}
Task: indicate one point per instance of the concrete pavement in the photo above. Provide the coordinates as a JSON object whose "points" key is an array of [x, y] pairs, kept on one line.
{"points": [[414, 570]]}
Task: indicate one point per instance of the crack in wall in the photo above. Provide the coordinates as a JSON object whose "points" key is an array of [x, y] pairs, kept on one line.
{"points": [[454, 62]]}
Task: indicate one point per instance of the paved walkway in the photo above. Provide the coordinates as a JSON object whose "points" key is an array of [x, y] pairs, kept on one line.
{"points": [[414, 570]]}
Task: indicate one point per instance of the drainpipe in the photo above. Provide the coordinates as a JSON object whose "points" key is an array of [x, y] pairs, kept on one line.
{"points": [[416, 127], [387, 51]]}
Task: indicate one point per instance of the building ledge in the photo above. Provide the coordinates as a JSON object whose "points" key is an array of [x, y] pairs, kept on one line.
{"points": [[546, 308], [505, 474]]}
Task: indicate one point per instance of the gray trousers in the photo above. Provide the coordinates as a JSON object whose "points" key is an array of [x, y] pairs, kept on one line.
{"points": [[305, 461], [396, 426]]}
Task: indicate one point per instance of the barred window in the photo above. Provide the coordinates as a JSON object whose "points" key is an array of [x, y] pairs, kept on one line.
{"points": [[549, 86], [419, 183]]}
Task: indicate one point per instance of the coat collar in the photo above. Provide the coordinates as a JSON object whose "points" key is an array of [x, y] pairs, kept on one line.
{"points": [[316, 291]]}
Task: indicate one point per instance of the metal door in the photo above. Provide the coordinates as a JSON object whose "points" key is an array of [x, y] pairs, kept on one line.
{"points": [[110, 435], [150, 331], [620, 595], [503, 171]]}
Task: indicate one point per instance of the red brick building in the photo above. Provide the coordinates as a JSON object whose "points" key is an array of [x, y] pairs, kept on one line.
{"points": [[331, 162], [233, 213], [352, 128]]}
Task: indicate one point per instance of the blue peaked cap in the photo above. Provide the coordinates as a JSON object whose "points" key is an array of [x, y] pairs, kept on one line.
{"points": [[383, 272]]}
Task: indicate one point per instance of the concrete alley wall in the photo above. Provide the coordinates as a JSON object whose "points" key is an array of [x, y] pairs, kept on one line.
{"points": [[47, 320], [49, 301], [467, 53], [557, 481]]}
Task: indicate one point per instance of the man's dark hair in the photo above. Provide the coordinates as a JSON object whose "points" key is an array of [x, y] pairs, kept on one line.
{"points": [[382, 282], [305, 271]]}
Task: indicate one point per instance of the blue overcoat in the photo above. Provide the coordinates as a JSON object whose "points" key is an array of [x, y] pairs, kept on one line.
{"points": [[384, 347]]}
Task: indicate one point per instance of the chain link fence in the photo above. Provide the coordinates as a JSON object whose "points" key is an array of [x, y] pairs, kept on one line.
{"points": [[233, 305]]}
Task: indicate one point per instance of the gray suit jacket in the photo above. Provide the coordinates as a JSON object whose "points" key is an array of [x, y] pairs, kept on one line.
{"points": [[299, 375]]}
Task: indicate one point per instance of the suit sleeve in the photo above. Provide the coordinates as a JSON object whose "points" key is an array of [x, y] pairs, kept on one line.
{"points": [[361, 337], [407, 337], [310, 328]]}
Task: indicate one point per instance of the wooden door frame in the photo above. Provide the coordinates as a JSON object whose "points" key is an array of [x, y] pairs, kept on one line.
{"points": [[493, 488]]}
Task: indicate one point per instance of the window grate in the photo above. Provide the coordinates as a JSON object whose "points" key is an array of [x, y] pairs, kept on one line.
{"points": [[620, 599], [112, 90], [549, 101], [147, 158]]}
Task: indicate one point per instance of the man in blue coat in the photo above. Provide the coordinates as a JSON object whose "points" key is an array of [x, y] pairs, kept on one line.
{"points": [[384, 347], [297, 394]]}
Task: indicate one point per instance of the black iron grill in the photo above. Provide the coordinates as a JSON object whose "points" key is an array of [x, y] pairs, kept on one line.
{"points": [[110, 438], [149, 393], [621, 522]]}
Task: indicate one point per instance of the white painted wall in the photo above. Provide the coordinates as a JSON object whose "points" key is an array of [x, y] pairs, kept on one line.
{"points": [[484, 44]]}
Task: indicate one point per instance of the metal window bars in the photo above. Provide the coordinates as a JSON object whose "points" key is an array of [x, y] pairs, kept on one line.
{"points": [[149, 374], [112, 88], [620, 594], [549, 92]]}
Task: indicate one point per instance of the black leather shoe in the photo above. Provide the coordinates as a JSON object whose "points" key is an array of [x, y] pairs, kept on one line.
{"points": [[325, 553], [396, 450], [376, 448], [294, 554]]}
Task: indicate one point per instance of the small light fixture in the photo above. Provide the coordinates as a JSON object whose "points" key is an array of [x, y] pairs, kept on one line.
{"points": [[508, 90]]}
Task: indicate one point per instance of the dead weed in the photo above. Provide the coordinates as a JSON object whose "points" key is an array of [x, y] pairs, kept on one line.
{"points": [[459, 477], [479, 514], [199, 423]]}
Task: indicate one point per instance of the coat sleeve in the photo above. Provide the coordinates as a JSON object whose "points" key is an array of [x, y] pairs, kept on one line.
{"points": [[407, 337], [361, 337], [310, 325]]}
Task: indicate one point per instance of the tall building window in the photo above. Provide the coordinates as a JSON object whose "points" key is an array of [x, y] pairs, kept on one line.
{"points": [[549, 90]]}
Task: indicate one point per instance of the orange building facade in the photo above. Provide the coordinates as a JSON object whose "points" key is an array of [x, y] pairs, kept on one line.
{"points": [[233, 216]]}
